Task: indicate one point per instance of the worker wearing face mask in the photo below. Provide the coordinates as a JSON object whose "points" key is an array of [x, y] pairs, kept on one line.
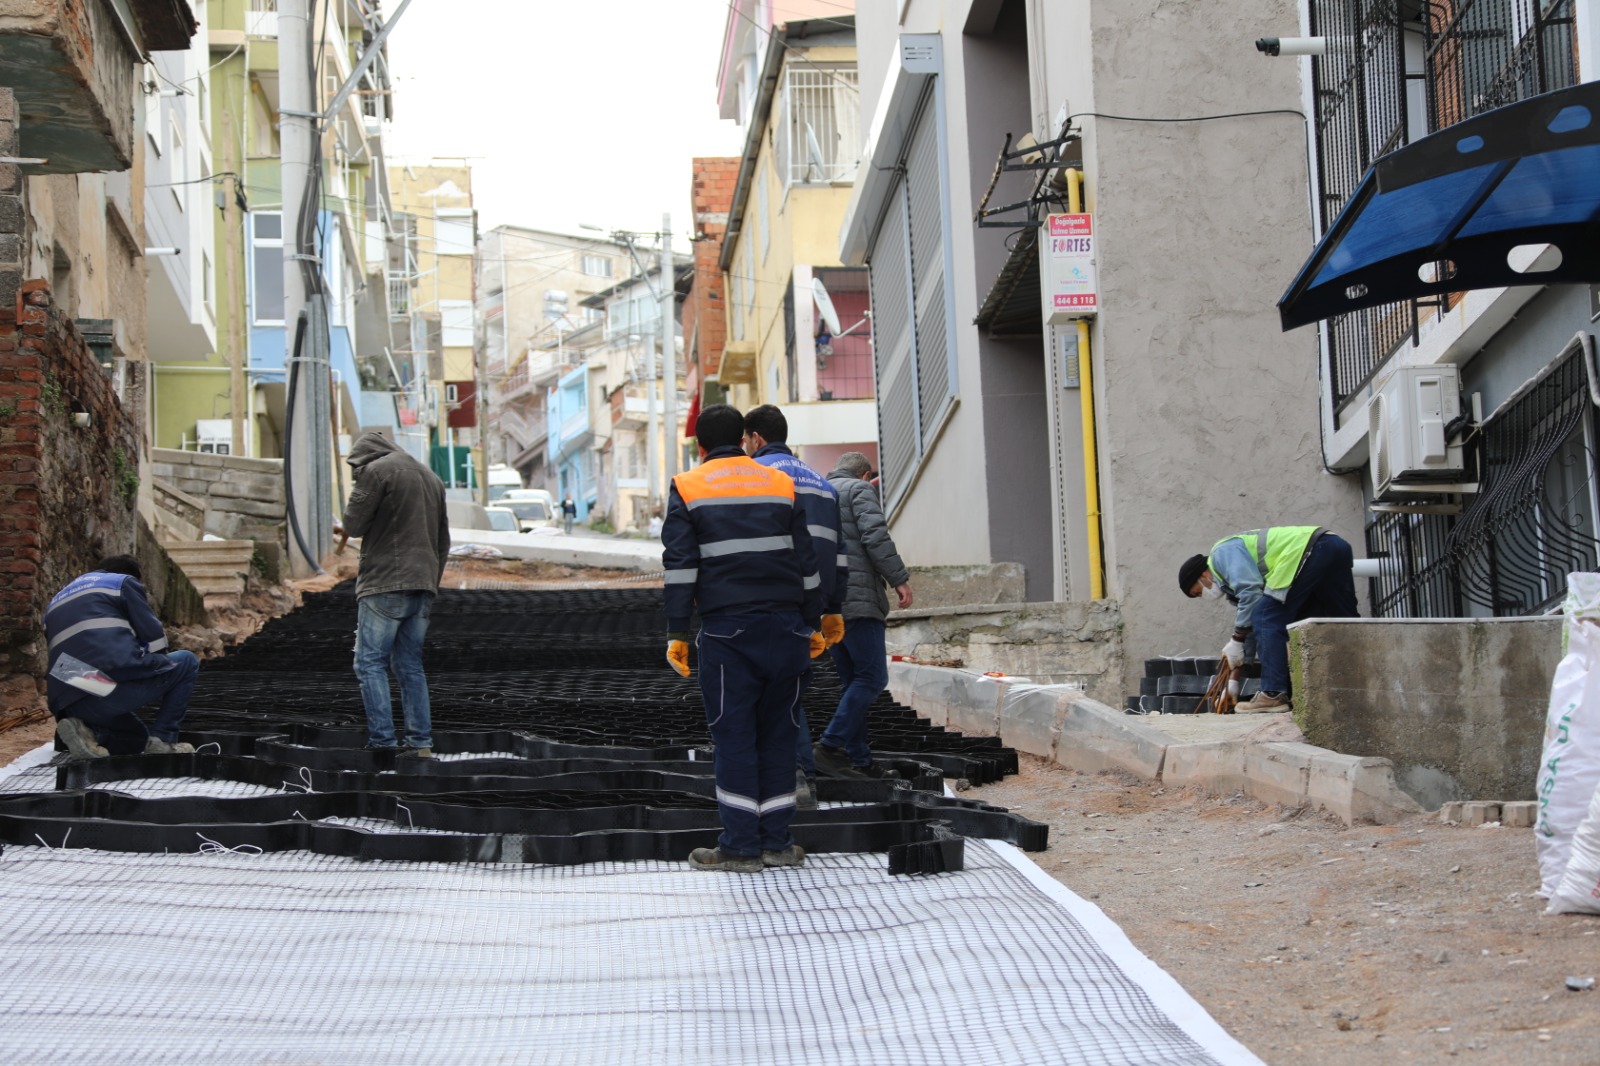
{"points": [[1273, 576]]}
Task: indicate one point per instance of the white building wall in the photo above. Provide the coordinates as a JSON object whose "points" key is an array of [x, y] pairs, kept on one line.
{"points": [[179, 201]]}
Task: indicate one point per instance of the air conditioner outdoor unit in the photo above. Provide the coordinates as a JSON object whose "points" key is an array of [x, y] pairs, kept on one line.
{"points": [[1409, 448]]}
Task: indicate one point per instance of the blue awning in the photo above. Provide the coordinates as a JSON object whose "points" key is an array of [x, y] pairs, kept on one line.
{"points": [[1470, 207]]}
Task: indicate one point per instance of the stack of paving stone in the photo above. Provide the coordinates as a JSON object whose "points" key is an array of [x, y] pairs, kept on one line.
{"points": [[1177, 684]]}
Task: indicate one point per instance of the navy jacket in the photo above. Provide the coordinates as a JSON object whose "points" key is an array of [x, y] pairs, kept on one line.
{"points": [[104, 620], [820, 501], [734, 541]]}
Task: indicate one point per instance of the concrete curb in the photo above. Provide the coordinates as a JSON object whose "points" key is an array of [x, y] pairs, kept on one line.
{"points": [[637, 556], [1060, 723]]}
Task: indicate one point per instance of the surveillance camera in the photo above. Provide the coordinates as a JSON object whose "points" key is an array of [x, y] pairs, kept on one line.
{"points": [[1292, 46]]}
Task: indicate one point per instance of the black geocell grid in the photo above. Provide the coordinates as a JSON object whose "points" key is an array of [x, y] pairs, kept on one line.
{"points": [[574, 749], [216, 954]]}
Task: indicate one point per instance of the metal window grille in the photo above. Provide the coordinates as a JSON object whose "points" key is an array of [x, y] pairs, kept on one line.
{"points": [[261, 19], [822, 140], [1532, 523], [1468, 56]]}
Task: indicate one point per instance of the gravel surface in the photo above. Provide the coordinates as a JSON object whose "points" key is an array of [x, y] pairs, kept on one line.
{"points": [[1315, 943]]}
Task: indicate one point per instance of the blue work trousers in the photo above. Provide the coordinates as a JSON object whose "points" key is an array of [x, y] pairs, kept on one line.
{"points": [[118, 728], [752, 675], [804, 757], [1324, 588], [863, 673], [390, 628]]}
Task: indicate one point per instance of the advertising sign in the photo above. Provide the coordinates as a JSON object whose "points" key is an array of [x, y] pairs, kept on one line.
{"points": [[1071, 286]]}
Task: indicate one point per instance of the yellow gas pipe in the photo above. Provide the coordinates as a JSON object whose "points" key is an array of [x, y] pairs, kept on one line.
{"points": [[1091, 462]]}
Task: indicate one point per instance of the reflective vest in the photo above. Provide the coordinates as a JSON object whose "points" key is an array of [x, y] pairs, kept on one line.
{"points": [[1278, 551]]}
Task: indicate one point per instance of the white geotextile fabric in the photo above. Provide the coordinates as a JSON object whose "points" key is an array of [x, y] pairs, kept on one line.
{"points": [[293, 957]]}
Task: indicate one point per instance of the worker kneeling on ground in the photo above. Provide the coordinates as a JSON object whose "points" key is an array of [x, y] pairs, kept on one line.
{"points": [[735, 546], [1273, 576], [108, 658]]}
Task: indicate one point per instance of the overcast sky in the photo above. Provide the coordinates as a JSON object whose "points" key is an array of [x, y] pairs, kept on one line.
{"points": [[567, 112]]}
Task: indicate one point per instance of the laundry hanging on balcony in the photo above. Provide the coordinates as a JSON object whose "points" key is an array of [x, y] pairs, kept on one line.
{"points": [[1507, 198]]}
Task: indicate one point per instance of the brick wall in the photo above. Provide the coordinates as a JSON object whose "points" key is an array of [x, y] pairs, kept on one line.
{"points": [[705, 311], [67, 491]]}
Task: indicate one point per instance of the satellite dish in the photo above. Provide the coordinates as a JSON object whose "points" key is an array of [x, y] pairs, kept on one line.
{"points": [[824, 302]]}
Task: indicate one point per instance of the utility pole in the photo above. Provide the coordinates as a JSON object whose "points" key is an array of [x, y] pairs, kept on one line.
{"points": [[652, 449], [307, 439], [669, 350], [232, 223]]}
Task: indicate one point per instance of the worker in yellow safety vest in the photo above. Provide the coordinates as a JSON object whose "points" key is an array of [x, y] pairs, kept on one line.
{"points": [[1273, 576]]}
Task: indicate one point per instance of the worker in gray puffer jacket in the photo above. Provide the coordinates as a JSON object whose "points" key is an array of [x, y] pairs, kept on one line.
{"points": [[397, 509], [861, 656]]}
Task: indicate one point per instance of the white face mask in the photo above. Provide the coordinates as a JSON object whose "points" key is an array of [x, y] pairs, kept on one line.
{"points": [[1211, 592]]}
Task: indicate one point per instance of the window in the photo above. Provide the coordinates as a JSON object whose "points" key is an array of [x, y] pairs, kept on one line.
{"points": [[261, 20], [454, 232], [207, 293], [912, 324], [266, 268], [455, 321], [597, 266], [820, 141], [451, 394], [555, 304], [1396, 73]]}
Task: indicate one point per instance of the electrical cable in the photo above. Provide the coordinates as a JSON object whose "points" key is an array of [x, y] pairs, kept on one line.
{"points": [[288, 442]]}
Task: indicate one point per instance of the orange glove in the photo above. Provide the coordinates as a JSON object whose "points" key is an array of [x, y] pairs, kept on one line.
{"points": [[819, 643], [833, 628], [678, 656]]}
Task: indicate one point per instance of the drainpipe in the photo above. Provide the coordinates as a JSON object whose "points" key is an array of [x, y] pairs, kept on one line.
{"points": [[1091, 461]]}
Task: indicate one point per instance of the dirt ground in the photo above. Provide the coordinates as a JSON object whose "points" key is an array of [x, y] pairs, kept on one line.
{"points": [[1311, 942]]}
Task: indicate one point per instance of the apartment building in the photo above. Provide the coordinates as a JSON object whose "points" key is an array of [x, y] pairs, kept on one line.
{"points": [[431, 283], [532, 285], [1511, 507], [799, 330], [1098, 457]]}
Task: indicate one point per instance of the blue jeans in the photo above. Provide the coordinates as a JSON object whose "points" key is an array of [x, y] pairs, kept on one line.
{"points": [[390, 627], [112, 717], [863, 673], [752, 674], [1324, 588]]}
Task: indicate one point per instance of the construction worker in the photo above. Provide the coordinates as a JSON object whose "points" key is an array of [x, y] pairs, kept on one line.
{"points": [[397, 508], [735, 546], [1273, 576], [766, 433], [108, 658], [861, 657]]}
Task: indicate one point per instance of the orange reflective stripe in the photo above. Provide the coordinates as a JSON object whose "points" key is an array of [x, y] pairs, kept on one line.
{"points": [[734, 477]]}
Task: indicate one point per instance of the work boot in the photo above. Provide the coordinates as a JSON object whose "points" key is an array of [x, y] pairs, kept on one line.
{"points": [[793, 855], [805, 797], [717, 859], [1264, 702], [416, 753], [878, 772], [79, 739], [157, 746], [834, 763]]}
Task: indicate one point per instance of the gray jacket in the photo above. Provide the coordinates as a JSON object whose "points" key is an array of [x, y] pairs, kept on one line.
{"points": [[873, 559], [397, 510]]}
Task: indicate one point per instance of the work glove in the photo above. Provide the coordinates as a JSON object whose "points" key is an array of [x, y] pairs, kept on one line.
{"points": [[1233, 690], [1233, 651], [819, 643], [833, 628], [678, 655]]}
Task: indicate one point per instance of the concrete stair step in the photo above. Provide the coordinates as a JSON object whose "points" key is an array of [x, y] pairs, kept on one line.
{"points": [[215, 586], [197, 571]]}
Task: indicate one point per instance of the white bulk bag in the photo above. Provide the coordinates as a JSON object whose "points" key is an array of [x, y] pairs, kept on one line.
{"points": [[1579, 890], [1569, 770]]}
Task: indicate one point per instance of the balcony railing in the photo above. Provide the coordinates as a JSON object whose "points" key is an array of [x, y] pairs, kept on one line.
{"points": [[261, 20], [399, 295]]}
